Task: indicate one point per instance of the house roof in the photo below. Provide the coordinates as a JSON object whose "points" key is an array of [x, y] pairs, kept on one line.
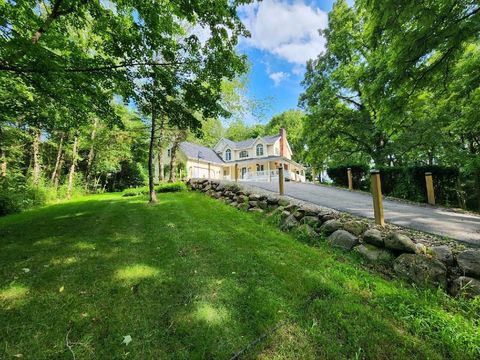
{"points": [[206, 154], [245, 144]]}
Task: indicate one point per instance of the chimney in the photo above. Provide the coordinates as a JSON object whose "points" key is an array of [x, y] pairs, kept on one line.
{"points": [[283, 142]]}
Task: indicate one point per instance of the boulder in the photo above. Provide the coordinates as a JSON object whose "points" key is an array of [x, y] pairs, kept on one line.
{"points": [[374, 237], [263, 204], [253, 203], [254, 197], [307, 230], [272, 200], [343, 239], [283, 202], [330, 226], [421, 270], [326, 217], [374, 254], [311, 221], [284, 214], [256, 210], [465, 286], [289, 223], [242, 206], [298, 214], [420, 249], [443, 253], [220, 187], [355, 227], [400, 242], [469, 262], [291, 207], [241, 198]]}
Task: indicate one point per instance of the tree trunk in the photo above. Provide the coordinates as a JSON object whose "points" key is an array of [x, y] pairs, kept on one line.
{"points": [[3, 167], [56, 169], [173, 161], [91, 154], [161, 165], [36, 157], [71, 173], [151, 186]]}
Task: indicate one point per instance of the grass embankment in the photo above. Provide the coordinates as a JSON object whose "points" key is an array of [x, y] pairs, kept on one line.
{"points": [[192, 278]]}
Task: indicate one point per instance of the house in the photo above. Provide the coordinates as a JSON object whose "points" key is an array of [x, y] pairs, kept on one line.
{"points": [[256, 159]]}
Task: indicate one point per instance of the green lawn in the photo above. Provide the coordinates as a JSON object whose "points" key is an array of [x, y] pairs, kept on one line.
{"points": [[192, 278]]}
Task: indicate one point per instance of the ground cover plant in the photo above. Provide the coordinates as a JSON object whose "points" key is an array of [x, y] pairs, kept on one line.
{"points": [[108, 276]]}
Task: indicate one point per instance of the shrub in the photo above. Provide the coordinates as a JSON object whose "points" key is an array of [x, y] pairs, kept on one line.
{"points": [[16, 195], [162, 188], [338, 174]]}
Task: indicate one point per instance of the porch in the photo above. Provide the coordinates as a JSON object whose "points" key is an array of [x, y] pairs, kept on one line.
{"points": [[265, 171]]}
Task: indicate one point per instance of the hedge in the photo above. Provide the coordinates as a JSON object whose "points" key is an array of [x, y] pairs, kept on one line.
{"points": [[404, 182]]}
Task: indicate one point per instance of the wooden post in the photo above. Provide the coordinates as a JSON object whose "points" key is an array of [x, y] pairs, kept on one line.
{"points": [[281, 181], [350, 181], [236, 172], [377, 197], [430, 191]]}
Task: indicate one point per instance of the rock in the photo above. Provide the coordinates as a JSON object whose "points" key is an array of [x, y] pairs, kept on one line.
{"points": [[256, 210], [272, 200], [283, 202], [330, 226], [375, 254], [399, 242], [241, 198], [466, 286], [311, 221], [253, 203], [263, 204], [284, 214], [307, 230], [289, 223], [298, 214], [291, 208], [220, 187], [343, 239], [327, 217], [443, 253], [354, 227], [254, 197], [469, 262], [242, 206], [420, 249], [374, 237], [421, 270]]}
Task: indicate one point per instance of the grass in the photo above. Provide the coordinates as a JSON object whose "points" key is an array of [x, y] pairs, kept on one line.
{"points": [[192, 278], [161, 188]]}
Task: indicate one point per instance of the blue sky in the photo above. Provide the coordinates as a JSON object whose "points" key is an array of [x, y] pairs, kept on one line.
{"points": [[284, 36]]}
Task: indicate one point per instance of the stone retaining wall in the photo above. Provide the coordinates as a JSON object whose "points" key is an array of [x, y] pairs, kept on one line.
{"points": [[456, 271]]}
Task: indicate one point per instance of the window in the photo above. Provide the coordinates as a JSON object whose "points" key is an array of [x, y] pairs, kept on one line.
{"points": [[228, 155], [260, 167], [243, 153], [259, 150]]}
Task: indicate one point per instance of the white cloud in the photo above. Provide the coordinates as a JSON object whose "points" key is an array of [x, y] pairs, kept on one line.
{"points": [[287, 30], [278, 77]]}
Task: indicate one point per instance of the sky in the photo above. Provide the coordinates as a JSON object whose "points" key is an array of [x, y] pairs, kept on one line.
{"points": [[284, 35]]}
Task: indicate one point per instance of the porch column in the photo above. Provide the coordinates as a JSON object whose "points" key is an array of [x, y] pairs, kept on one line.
{"points": [[269, 174]]}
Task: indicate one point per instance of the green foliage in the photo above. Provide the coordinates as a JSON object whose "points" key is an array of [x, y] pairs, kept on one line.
{"points": [[16, 195], [360, 175], [161, 188]]}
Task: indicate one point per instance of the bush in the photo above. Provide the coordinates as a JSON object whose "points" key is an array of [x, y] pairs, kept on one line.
{"points": [[16, 195], [162, 188], [338, 174]]}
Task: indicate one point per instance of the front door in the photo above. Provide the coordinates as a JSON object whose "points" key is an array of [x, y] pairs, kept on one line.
{"points": [[244, 172]]}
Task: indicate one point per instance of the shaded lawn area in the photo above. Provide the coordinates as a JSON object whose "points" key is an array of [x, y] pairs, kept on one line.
{"points": [[192, 278]]}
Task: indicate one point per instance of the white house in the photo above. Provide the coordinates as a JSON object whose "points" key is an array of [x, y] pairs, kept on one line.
{"points": [[256, 159]]}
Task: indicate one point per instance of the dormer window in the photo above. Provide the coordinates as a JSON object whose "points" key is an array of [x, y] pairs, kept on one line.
{"points": [[228, 155], [243, 154], [259, 150]]}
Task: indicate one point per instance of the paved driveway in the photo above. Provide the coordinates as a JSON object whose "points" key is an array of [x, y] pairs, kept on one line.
{"points": [[462, 227]]}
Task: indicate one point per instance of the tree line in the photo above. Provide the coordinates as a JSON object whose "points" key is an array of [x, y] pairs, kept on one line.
{"points": [[397, 85]]}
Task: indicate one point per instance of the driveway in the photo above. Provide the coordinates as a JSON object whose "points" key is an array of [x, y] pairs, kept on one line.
{"points": [[460, 226]]}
